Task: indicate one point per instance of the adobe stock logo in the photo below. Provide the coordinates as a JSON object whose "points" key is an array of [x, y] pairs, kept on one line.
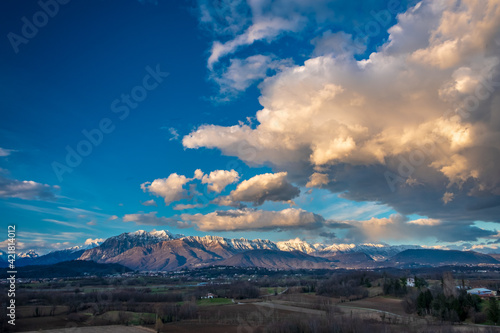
{"points": [[121, 107], [29, 29]]}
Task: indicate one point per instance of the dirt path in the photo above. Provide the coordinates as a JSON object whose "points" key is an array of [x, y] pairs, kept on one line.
{"points": [[290, 308]]}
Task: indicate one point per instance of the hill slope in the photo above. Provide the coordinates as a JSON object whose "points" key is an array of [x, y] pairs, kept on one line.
{"points": [[277, 259], [166, 256]]}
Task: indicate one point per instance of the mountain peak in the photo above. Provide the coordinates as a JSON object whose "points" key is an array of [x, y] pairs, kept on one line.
{"points": [[29, 254], [162, 234]]}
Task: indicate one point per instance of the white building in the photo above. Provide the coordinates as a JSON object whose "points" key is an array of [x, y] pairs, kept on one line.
{"points": [[410, 282]]}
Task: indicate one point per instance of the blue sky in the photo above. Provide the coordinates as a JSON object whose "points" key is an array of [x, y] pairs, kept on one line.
{"points": [[302, 108]]}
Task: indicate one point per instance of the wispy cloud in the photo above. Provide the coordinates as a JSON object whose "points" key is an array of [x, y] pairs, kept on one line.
{"points": [[69, 224], [174, 134], [149, 203], [242, 73], [43, 237], [152, 219], [5, 152], [80, 211], [187, 206], [38, 209]]}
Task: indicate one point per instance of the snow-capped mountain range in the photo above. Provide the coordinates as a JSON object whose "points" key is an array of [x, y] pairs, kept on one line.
{"points": [[101, 249], [378, 251], [162, 250], [122, 248]]}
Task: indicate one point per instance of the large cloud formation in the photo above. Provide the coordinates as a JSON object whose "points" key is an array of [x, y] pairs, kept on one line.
{"points": [[415, 126]]}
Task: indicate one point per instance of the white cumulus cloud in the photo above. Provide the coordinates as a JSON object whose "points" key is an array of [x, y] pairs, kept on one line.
{"points": [[170, 188], [218, 180]]}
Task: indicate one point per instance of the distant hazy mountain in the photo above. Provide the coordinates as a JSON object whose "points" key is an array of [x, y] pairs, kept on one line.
{"points": [[3, 259], [353, 260], [32, 258], [440, 258]]}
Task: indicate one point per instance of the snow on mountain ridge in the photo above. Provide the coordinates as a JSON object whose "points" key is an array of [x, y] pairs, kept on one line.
{"points": [[233, 243], [155, 234], [298, 245], [378, 251]]}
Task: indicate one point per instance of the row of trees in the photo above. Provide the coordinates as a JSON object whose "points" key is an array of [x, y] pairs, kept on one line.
{"points": [[343, 286], [453, 308], [395, 286]]}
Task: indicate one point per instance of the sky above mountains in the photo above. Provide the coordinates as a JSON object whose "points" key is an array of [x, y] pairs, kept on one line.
{"points": [[330, 121]]}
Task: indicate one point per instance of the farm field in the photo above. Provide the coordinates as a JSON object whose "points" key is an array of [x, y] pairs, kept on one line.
{"points": [[388, 304], [342, 301]]}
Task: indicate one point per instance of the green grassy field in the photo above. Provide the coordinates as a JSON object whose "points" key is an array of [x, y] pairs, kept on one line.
{"points": [[271, 290]]}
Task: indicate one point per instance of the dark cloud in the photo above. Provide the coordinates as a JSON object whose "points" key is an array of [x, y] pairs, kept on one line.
{"points": [[328, 235], [259, 189], [27, 189], [399, 228]]}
